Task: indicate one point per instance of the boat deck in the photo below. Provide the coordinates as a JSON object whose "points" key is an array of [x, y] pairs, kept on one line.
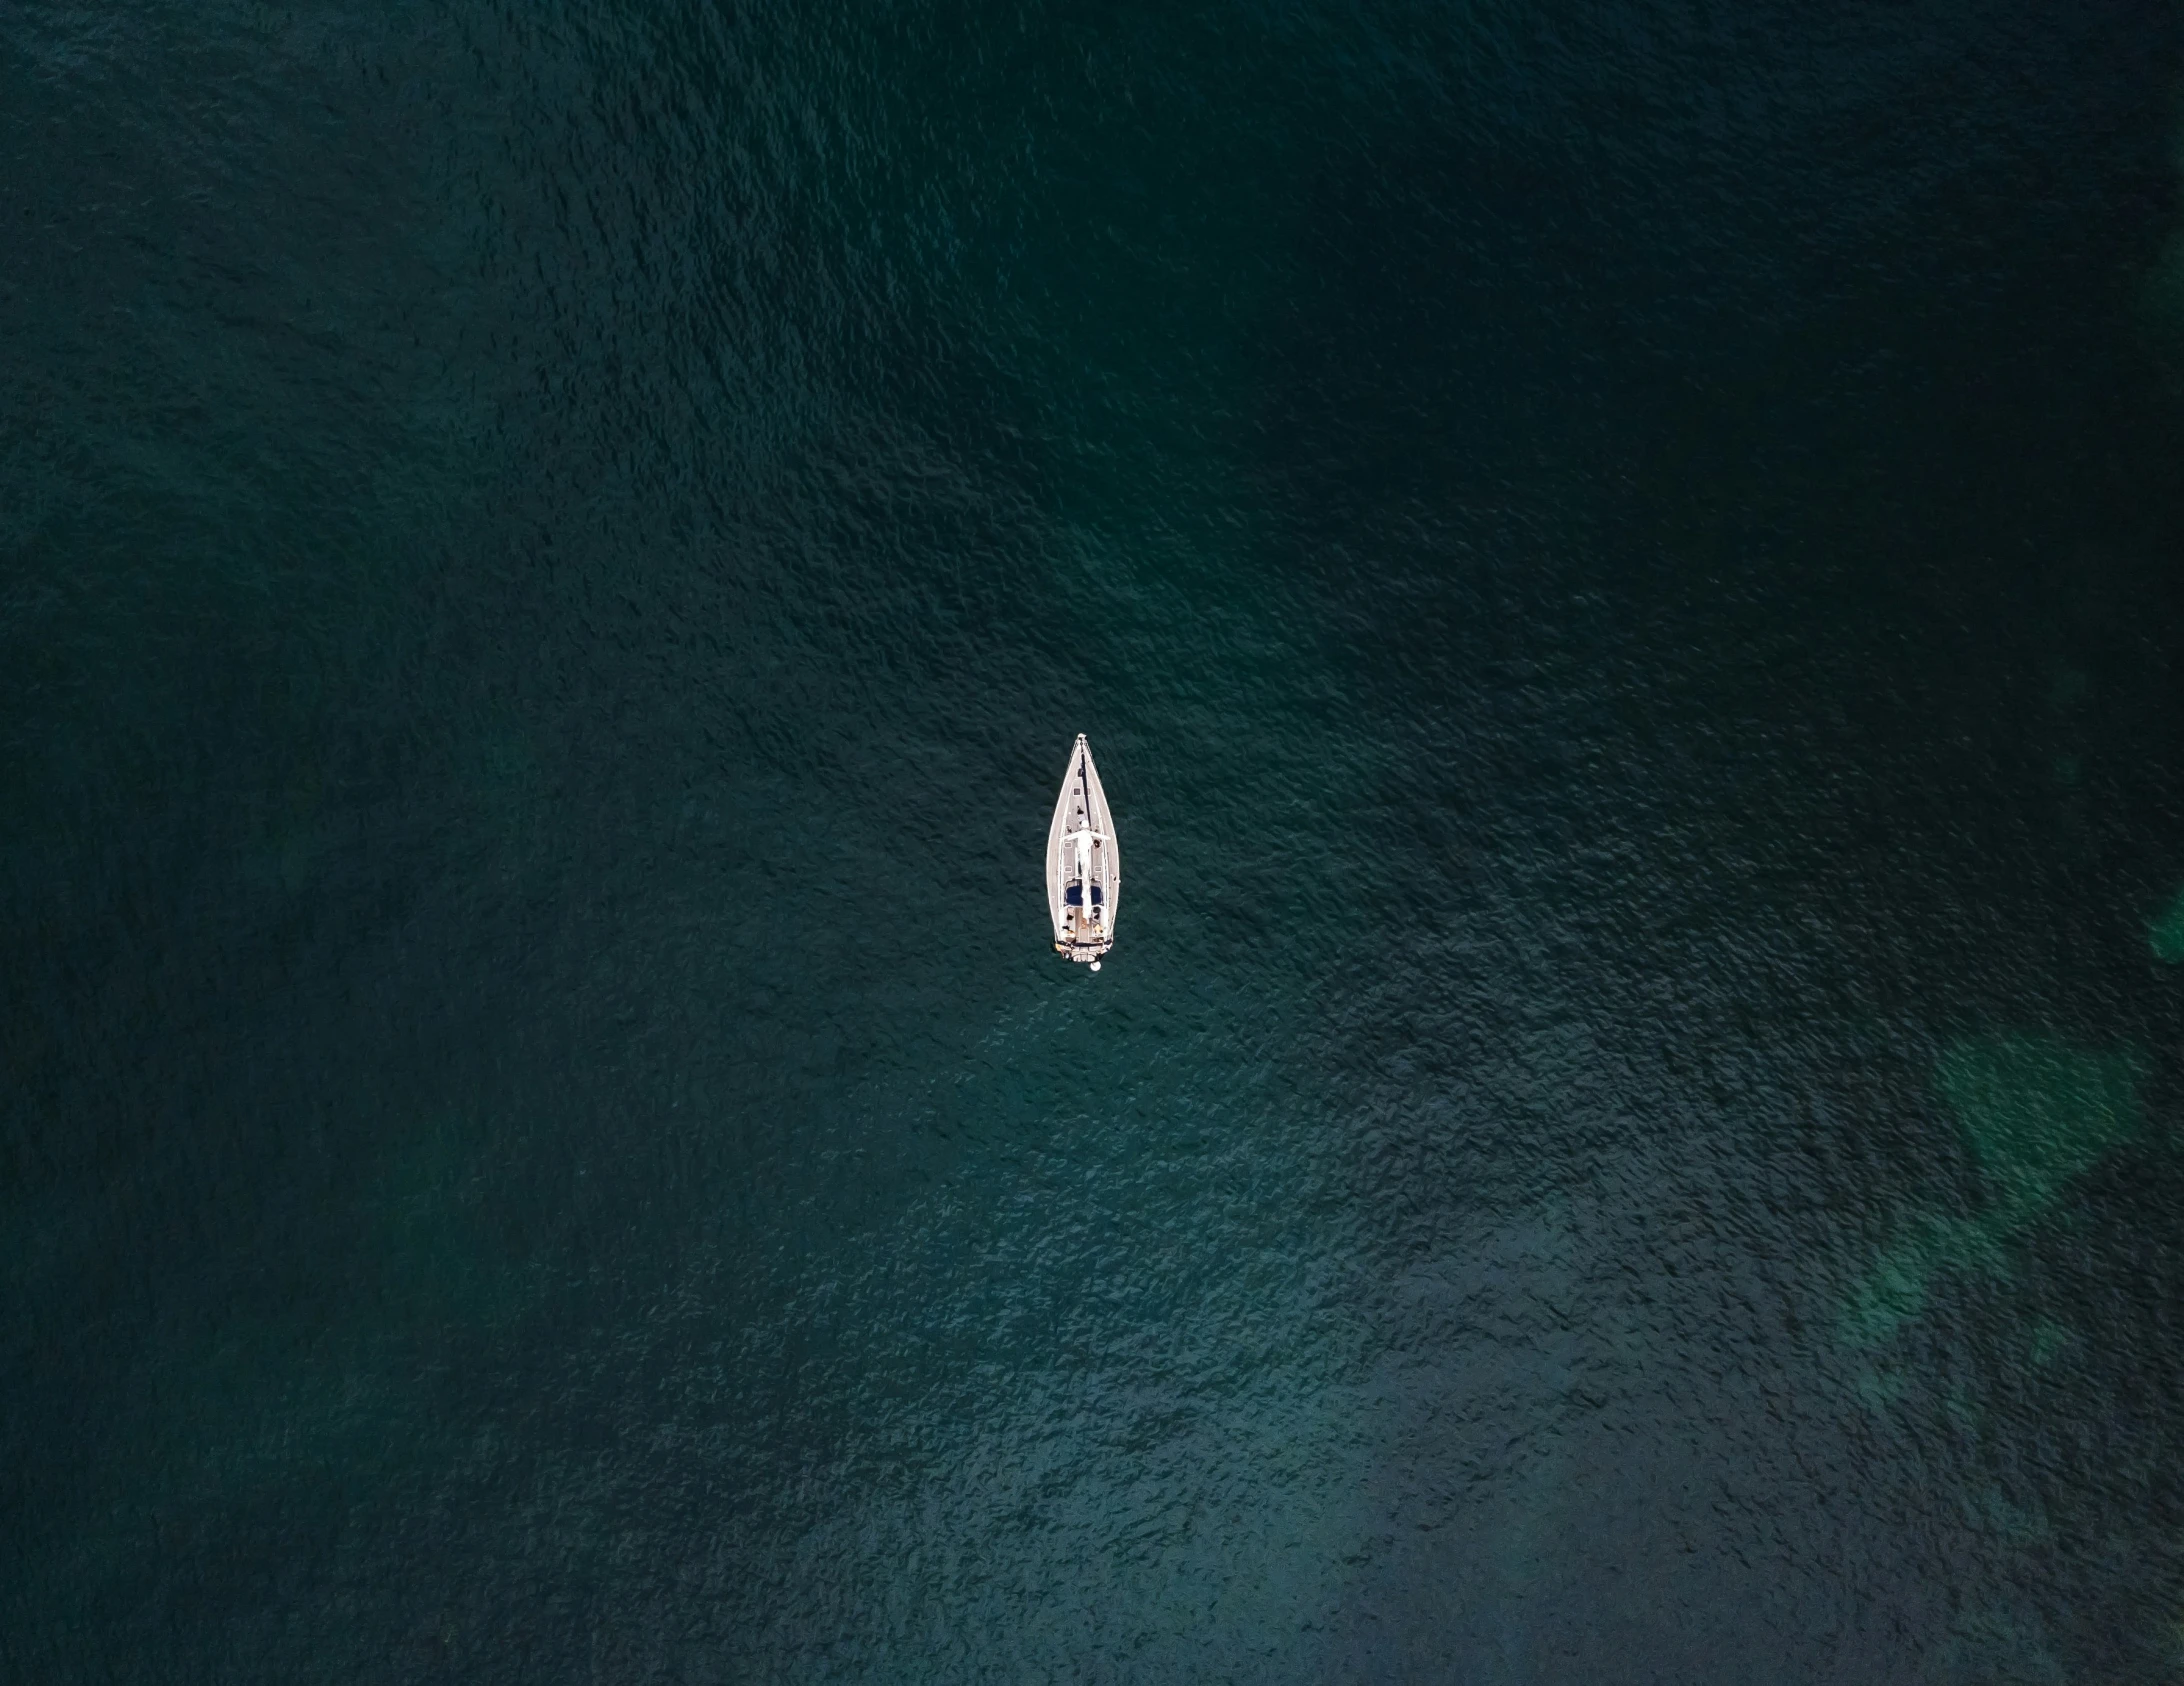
{"points": [[1084, 864]]}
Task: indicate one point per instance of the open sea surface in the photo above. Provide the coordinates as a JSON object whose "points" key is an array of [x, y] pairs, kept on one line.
{"points": [[1623, 561]]}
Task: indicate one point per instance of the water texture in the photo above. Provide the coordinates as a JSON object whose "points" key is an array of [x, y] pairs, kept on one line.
{"points": [[1620, 562]]}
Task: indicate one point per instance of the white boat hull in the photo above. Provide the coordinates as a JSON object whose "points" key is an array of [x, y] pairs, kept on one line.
{"points": [[1084, 867]]}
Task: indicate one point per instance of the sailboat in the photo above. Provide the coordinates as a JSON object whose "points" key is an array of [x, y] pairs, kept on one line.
{"points": [[1084, 871]]}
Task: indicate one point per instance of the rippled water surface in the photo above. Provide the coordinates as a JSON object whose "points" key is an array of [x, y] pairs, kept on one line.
{"points": [[1621, 562]]}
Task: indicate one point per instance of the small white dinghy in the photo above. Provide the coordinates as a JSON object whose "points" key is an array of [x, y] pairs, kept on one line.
{"points": [[1084, 871]]}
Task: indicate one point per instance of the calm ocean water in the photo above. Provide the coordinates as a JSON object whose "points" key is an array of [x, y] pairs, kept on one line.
{"points": [[1621, 561]]}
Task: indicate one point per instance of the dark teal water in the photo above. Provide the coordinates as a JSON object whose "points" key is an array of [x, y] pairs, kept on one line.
{"points": [[1621, 561]]}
